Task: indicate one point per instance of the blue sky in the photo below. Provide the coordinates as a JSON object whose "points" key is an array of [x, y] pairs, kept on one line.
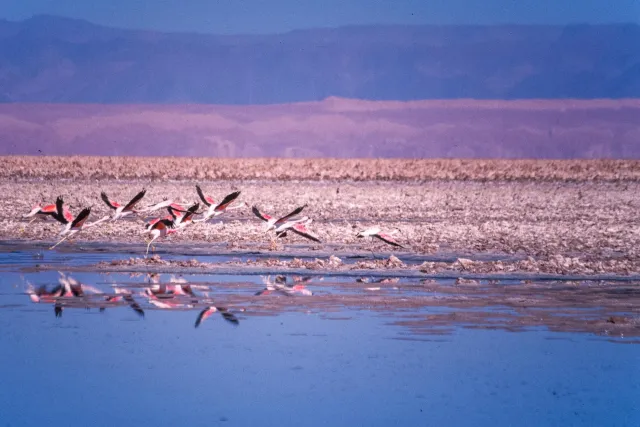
{"points": [[268, 16]]}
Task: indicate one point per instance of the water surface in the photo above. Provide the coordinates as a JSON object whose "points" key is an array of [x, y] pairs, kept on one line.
{"points": [[372, 352]]}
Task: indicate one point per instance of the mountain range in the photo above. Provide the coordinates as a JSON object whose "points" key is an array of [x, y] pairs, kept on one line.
{"points": [[335, 127], [49, 59]]}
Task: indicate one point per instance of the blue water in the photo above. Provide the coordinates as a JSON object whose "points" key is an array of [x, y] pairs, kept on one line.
{"points": [[346, 367]]}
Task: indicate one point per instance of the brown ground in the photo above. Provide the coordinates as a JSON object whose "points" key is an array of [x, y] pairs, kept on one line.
{"points": [[583, 227], [186, 168]]}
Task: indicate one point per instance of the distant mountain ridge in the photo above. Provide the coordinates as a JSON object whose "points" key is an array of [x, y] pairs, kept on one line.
{"points": [[58, 60], [336, 127]]}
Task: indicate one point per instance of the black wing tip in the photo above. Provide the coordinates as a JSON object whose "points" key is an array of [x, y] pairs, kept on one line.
{"points": [[201, 195], [257, 212]]}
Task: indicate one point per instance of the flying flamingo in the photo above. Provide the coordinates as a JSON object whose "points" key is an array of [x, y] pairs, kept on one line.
{"points": [[161, 205], [279, 224], [162, 227], [47, 211], [181, 217], [375, 232], [279, 285], [214, 210], [159, 227], [113, 300], [207, 312], [120, 210], [73, 227], [300, 228]]}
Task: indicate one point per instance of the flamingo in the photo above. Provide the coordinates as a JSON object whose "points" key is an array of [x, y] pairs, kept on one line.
{"points": [[207, 312], [47, 211], [73, 227], [182, 218], [120, 210], [300, 228], [214, 210], [376, 232], [280, 286], [279, 224], [159, 227], [161, 205], [162, 297]]}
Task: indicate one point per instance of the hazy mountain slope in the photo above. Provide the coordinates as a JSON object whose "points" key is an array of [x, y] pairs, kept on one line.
{"points": [[52, 59], [332, 128]]}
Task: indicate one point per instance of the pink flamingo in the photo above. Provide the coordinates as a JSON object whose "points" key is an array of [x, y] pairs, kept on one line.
{"points": [[279, 224], [376, 232], [300, 228], [207, 312], [76, 225], [120, 210], [159, 227], [162, 227], [214, 210], [45, 212]]}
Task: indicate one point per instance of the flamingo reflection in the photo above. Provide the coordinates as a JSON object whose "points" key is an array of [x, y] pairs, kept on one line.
{"points": [[280, 286]]}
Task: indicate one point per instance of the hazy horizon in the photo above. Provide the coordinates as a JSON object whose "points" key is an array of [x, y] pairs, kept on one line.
{"points": [[260, 17]]}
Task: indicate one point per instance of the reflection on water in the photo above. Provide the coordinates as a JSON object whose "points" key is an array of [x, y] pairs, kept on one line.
{"points": [[306, 350], [175, 295], [421, 306]]}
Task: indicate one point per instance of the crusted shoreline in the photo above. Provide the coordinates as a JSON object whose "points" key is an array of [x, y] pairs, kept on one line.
{"points": [[585, 227], [315, 169]]}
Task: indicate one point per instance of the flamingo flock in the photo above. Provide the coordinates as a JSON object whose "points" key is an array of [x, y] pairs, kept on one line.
{"points": [[71, 293], [179, 217]]}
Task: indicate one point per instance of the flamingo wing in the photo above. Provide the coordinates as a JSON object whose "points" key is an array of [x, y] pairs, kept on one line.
{"points": [[68, 215], [81, 218], [229, 317], [208, 201], [135, 200], [50, 210], [134, 305], [291, 214], [176, 211], [162, 224], [60, 214], [190, 212], [227, 201], [259, 214], [302, 230], [204, 315], [388, 239], [105, 198], [157, 206], [151, 223]]}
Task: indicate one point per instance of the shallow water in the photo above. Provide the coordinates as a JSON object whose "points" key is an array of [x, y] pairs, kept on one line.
{"points": [[368, 352]]}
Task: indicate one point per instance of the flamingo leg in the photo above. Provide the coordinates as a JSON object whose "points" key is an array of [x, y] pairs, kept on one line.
{"points": [[62, 240], [148, 245], [100, 221], [372, 254]]}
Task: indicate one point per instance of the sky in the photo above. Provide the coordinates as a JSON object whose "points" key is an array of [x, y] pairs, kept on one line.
{"points": [[273, 16]]}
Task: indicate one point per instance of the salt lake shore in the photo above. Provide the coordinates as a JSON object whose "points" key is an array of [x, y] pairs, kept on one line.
{"points": [[575, 217]]}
